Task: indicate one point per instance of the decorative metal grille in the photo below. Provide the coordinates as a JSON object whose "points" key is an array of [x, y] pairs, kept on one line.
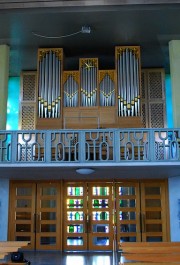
{"points": [[28, 118], [29, 87], [65, 146], [143, 111], [156, 115], [155, 85], [143, 93], [30, 146], [153, 98]]}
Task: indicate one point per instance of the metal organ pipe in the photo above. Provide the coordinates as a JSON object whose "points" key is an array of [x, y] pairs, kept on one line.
{"points": [[71, 92], [88, 72], [128, 82], [107, 89], [49, 84]]}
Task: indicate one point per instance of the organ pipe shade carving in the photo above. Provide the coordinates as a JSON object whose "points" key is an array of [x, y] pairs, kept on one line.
{"points": [[49, 82], [88, 81], [128, 80], [71, 87], [107, 88]]}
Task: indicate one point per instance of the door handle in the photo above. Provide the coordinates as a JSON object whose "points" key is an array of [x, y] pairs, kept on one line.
{"points": [[143, 223], [34, 223], [37, 223], [89, 224], [85, 223]]}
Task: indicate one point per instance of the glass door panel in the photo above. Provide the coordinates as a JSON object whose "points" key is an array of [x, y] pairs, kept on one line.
{"points": [[153, 212], [127, 212], [100, 216], [22, 212], [47, 216], [75, 216]]}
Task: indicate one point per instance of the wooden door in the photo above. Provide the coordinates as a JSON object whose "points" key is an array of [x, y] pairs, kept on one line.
{"points": [[88, 216], [48, 216], [34, 214], [100, 216], [22, 213], [154, 211], [141, 211], [75, 216], [127, 213]]}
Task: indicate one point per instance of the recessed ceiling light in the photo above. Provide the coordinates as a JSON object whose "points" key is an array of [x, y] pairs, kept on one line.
{"points": [[84, 171]]}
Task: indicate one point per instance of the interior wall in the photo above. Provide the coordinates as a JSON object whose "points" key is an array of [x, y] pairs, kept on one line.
{"points": [[174, 203], [4, 202]]}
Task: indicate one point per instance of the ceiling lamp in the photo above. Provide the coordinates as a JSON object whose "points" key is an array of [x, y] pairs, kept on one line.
{"points": [[85, 171]]}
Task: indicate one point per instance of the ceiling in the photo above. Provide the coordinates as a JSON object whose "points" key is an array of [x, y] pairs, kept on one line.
{"points": [[150, 26]]}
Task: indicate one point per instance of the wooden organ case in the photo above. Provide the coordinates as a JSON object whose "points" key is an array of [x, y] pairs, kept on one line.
{"points": [[89, 98]]}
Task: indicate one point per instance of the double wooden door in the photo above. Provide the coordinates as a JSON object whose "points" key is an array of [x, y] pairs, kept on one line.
{"points": [[88, 215], [34, 214], [142, 211]]}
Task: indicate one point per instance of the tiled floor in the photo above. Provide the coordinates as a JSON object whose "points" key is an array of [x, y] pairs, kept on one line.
{"points": [[71, 258]]}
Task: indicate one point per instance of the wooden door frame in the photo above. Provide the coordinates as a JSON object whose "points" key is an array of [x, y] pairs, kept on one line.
{"points": [[11, 219]]}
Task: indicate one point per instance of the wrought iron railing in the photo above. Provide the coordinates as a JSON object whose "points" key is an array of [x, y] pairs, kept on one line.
{"points": [[102, 145]]}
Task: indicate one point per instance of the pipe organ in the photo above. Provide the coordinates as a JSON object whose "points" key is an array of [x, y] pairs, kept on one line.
{"points": [[111, 97]]}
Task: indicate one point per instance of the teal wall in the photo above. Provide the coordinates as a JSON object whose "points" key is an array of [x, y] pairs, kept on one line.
{"points": [[169, 107], [13, 103]]}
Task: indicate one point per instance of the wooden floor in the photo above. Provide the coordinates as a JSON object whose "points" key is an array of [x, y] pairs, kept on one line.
{"points": [[71, 258]]}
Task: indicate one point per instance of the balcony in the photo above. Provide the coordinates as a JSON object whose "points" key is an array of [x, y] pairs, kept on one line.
{"points": [[107, 149], [9, 4]]}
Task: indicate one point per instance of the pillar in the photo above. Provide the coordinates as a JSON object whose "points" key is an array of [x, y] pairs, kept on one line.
{"points": [[4, 202], [174, 56], [4, 74]]}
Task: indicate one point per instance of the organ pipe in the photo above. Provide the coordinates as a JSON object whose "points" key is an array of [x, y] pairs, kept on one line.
{"points": [[88, 82], [128, 80], [71, 87], [49, 82], [107, 88]]}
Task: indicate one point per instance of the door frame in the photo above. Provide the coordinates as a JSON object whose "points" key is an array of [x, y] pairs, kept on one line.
{"points": [[35, 237]]}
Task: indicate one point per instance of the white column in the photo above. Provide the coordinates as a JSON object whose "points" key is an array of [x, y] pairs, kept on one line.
{"points": [[4, 74], [4, 208], [174, 56]]}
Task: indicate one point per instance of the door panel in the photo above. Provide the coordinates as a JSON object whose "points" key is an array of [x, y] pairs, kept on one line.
{"points": [[47, 216], [35, 214], [153, 212], [75, 216], [100, 212], [141, 212], [22, 223], [128, 212]]}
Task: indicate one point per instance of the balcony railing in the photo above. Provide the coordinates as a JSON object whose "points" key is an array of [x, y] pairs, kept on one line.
{"points": [[84, 146]]}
